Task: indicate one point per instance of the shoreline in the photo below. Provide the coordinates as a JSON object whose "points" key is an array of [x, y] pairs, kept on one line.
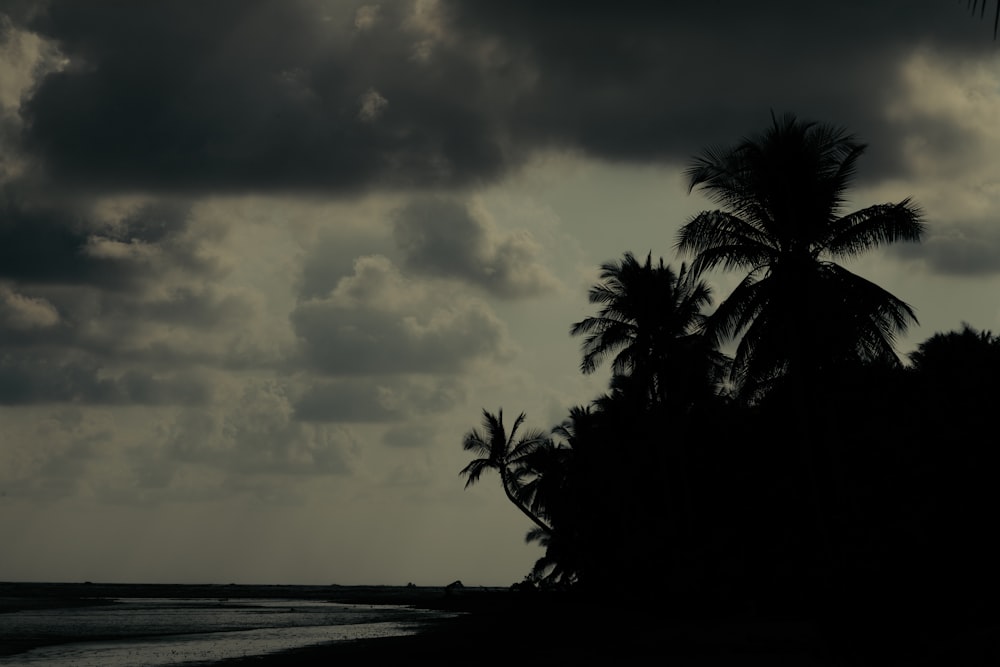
{"points": [[494, 626]]}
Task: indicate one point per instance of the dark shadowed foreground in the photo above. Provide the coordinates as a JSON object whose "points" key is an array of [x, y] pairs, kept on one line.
{"points": [[516, 628], [529, 628]]}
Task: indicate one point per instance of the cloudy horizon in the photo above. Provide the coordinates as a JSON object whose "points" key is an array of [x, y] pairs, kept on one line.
{"points": [[263, 263]]}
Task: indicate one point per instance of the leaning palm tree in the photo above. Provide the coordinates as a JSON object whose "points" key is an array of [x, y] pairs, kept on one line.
{"points": [[509, 457], [650, 323], [797, 311]]}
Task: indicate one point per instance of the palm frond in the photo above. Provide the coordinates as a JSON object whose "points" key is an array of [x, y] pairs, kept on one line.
{"points": [[717, 237], [781, 193], [538, 535], [879, 310], [475, 441], [982, 13], [474, 470], [874, 226], [734, 314]]}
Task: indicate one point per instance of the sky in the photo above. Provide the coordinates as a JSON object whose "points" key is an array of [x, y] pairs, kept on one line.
{"points": [[264, 262]]}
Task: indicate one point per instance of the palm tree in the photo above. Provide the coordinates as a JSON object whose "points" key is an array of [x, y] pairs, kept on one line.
{"points": [[799, 312], [650, 323], [499, 451], [973, 4]]}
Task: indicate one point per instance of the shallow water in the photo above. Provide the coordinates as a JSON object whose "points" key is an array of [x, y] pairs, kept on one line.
{"points": [[173, 631]]}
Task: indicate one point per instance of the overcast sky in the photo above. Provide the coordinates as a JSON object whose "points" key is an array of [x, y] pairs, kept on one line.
{"points": [[262, 263]]}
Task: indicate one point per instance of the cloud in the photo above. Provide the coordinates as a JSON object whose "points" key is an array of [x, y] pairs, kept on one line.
{"points": [[287, 105], [378, 321], [958, 249], [366, 17], [409, 436], [52, 245], [448, 238], [248, 442], [32, 377], [52, 453], [377, 399], [258, 434], [474, 88], [358, 400], [21, 312], [372, 105]]}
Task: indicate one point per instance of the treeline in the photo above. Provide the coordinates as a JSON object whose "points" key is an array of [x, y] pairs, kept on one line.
{"points": [[811, 470]]}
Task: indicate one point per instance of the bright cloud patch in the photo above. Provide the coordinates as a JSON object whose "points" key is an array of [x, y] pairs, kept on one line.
{"points": [[23, 312], [377, 321], [946, 112]]}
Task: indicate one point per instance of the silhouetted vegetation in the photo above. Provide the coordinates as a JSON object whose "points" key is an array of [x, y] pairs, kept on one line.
{"points": [[813, 473], [981, 6]]}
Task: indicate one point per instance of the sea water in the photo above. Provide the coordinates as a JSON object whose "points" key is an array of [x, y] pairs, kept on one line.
{"points": [[162, 631]]}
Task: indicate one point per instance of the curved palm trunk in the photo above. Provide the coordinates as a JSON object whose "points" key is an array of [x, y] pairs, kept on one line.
{"points": [[505, 482]]}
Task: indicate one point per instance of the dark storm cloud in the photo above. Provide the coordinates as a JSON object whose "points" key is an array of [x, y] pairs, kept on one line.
{"points": [[631, 80], [81, 294], [238, 95], [46, 245], [448, 238], [241, 95], [39, 245]]}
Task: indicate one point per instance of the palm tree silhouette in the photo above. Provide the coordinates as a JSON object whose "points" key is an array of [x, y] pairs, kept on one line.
{"points": [[973, 4], [511, 459], [799, 312], [651, 323]]}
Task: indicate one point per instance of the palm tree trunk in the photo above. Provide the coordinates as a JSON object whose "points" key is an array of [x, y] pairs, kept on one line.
{"points": [[505, 482]]}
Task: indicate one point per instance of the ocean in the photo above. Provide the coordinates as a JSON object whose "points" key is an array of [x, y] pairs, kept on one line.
{"points": [[74, 625]]}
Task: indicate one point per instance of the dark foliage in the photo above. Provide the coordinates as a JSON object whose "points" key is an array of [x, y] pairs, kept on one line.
{"points": [[862, 491]]}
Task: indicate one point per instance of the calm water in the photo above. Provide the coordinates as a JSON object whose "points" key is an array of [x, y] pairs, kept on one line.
{"points": [[151, 631]]}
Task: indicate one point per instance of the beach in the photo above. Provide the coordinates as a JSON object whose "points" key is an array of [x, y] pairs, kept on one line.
{"points": [[116, 625], [503, 630], [496, 626]]}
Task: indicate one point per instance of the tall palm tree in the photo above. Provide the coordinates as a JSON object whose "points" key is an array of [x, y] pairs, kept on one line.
{"points": [[799, 312], [650, 323], [509, 457]]}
